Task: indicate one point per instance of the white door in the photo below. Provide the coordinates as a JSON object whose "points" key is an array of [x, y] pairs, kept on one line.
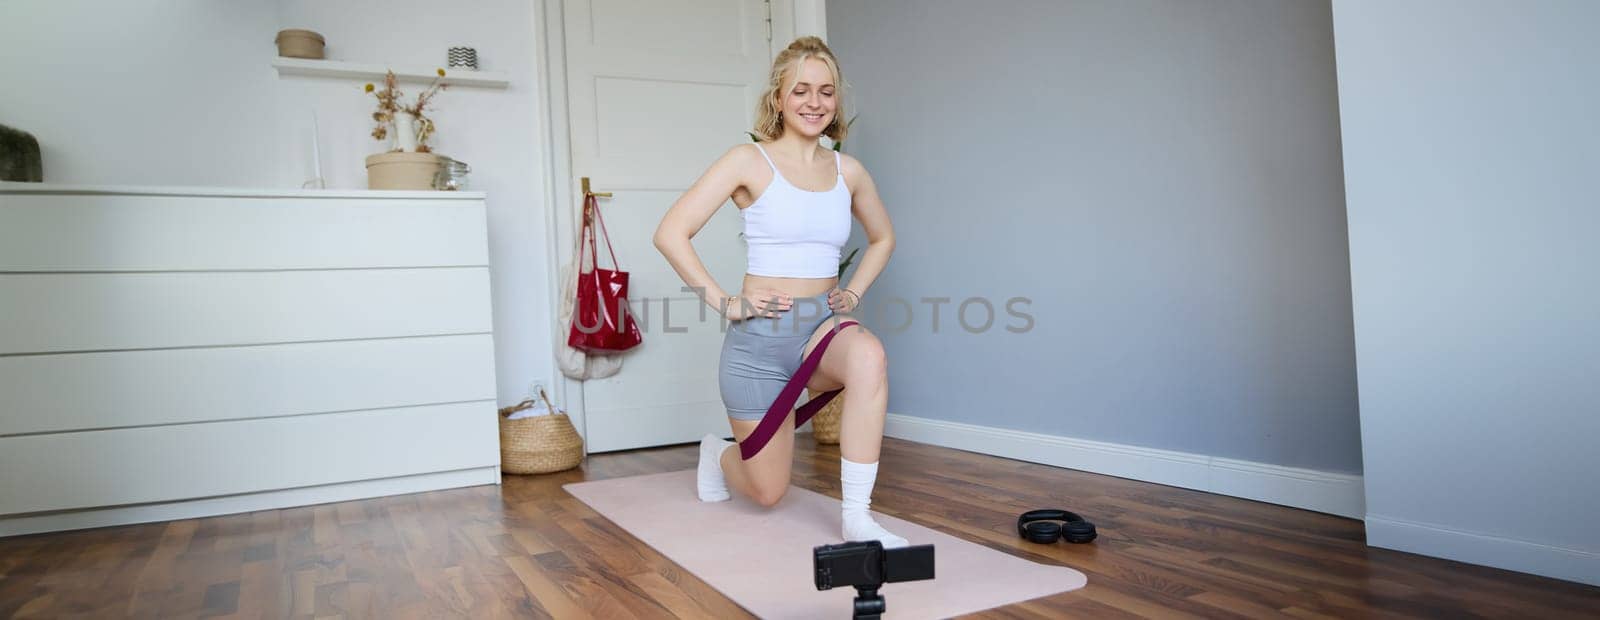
{"points": [[656, 91]]}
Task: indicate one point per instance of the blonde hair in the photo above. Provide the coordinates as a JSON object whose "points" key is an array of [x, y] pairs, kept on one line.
{"points": [[786, 69]]}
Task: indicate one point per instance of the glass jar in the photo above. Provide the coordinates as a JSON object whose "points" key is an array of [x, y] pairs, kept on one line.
{"points": [[452, 175]]}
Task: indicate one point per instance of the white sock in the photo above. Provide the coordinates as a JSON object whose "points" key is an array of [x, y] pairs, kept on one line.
{"points": [[856, 480], [709, 482]]}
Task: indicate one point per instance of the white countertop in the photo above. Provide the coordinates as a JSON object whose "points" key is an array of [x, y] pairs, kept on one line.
{"points": [[11, 187]]}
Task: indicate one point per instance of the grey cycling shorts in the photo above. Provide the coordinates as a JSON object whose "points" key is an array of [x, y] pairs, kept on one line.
{"points": [[760, 354]]}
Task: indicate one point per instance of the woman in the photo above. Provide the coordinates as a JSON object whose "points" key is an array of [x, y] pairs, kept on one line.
{"points": [[796, 199]]}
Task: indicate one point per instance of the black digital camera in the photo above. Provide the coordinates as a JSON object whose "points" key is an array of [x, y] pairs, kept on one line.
{"points": [[867, 566]]}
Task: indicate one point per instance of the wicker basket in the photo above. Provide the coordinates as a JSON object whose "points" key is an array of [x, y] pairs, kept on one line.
{"points": [[540, 444], [825, 424]]}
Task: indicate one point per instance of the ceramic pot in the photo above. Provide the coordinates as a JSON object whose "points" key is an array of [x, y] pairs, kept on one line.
{"points": [[401, 170]]}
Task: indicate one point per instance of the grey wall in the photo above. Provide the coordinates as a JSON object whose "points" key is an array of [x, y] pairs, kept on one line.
{"points": [[1162, 180], [1471, 155]]}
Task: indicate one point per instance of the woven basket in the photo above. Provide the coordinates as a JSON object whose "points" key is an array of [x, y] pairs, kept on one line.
{"points": [[825, 424], [540, 444]]}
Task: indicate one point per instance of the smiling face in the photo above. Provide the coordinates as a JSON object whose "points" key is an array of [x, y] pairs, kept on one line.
{"points": [[811, 103]]}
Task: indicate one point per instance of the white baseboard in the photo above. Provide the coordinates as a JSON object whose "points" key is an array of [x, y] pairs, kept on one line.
{"points": [[1328, 492], [1485, 549], [232, 504]]}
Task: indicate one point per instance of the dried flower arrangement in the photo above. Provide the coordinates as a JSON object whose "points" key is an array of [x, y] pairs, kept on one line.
{"points": [[389, 105]]}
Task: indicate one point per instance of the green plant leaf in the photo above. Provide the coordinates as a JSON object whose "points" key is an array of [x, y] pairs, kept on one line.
{"points": [[839, 146], [847, 260]]}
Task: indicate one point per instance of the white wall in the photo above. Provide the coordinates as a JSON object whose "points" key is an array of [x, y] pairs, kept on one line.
{"points": [[182, 92], [1470, 133], [145, 92]]}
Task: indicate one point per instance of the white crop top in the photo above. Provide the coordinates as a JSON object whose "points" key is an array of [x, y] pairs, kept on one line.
{"points": [[797, 233]]}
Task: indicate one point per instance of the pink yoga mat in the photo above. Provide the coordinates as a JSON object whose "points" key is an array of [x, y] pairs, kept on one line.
{"points": [[761, 557]]}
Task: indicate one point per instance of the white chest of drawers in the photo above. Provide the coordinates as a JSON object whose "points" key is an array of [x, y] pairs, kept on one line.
{"points": [[177, 352]]}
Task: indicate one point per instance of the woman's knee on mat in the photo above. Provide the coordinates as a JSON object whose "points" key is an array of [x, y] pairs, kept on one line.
{"points": [[768, 494], [769, 473]]}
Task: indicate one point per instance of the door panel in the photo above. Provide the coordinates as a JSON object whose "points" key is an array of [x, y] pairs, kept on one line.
{"points": [[657, 90]]}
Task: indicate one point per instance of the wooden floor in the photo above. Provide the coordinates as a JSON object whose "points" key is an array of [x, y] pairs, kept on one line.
{"points": [[527, 549]]}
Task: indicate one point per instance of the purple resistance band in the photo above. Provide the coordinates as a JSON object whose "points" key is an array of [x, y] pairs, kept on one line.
{"points": [[779, 410]]}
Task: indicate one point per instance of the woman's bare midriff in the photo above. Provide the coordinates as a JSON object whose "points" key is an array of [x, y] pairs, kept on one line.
{"points": [[795, 287]]}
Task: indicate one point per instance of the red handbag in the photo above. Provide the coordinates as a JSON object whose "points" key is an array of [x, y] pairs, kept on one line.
{"points": [[601, 319]]}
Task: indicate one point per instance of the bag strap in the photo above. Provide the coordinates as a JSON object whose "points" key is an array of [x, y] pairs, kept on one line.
{"points": [[591, 204], [585, 229]]}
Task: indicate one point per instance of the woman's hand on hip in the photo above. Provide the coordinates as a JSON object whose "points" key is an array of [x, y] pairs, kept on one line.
{"points": [[761, 302], [843, 300]]}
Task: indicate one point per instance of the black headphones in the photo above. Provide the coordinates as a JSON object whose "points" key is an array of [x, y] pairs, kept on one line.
{"points": [[1040, 526]]}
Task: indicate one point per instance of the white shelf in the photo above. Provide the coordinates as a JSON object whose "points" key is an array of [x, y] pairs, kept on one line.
{"points": [[341, 69], [17, 188]]}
